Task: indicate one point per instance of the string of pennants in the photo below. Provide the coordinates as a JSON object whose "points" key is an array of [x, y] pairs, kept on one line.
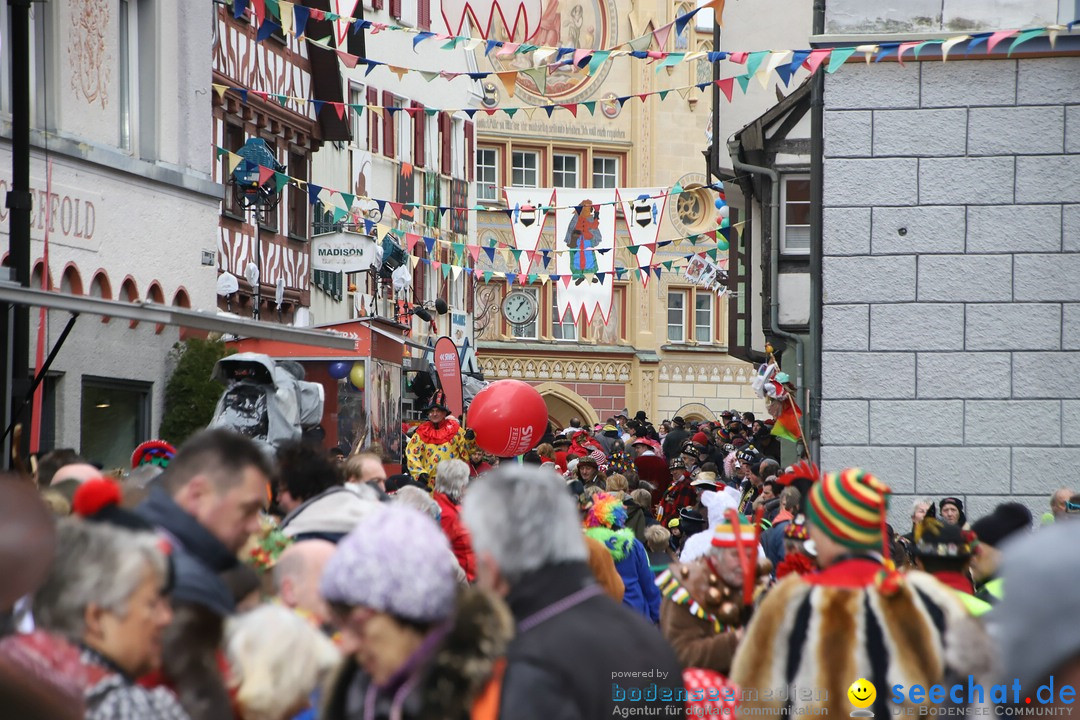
{"points": [[292, 19], [343, 202], [759, 63]]}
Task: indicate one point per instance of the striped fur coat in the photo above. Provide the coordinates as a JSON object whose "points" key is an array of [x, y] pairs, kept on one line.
{"points": [[822, 632]]}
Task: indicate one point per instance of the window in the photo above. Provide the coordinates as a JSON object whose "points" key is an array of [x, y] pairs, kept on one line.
{"points": [[562, 327], [523, 169], [565, 171], [232, 141], [703, 21], [682, 40], [605, 172], [297, 198], [403, 122], [795, 228], [268, 217], [115, 418], [676, 316], [127, 49], [703, 316], [528, 330], [360, 123], [487, 174]]}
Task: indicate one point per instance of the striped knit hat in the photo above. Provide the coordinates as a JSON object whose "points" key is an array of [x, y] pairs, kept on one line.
{"points": [[851, 508], [734, 532]]}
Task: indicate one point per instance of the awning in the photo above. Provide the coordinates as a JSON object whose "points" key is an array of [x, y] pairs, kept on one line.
{"points": [[154, 313]]}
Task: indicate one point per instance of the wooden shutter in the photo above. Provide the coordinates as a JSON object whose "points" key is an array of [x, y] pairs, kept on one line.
{"points": [[446, 129], [389, 120], [373, 115], [423, 15], [376, 4], [419, 272], [470, 150], [395, 9], [419, 127]]}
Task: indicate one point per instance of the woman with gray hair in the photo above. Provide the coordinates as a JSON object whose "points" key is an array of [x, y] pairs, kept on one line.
{"points": [[451, 477], [420, 500], [100, 617]]}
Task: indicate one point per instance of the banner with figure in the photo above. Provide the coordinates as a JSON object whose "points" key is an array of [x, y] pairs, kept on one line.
{"points": [[643, 208], [585, 240], [527, 216]]}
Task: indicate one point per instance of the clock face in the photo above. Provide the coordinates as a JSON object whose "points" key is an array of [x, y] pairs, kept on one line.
{"points": [[519, 308]]}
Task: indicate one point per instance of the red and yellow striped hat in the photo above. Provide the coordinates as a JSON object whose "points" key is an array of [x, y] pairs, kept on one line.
{"points": [[851, 507]]}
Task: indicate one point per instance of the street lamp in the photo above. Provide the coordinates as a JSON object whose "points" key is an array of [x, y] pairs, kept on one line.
{"points": [[261, 197]]}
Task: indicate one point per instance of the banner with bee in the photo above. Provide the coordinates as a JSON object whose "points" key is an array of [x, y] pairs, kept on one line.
{"points": [[643, 209], [585, 240], [529, 208]]}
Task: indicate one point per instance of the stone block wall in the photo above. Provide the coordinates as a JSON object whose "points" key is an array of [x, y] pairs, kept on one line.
{"points": [[951, 278]]}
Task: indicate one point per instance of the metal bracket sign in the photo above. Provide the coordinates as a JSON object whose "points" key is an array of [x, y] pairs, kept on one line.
{"points": [[343, 252]]}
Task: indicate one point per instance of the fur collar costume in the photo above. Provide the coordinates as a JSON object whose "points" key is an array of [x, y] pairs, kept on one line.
{"points": [[444, 685], [821, 631]]}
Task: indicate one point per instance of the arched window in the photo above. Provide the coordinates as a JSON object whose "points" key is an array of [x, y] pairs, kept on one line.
{"points": [[682, 40], [703, 68]]}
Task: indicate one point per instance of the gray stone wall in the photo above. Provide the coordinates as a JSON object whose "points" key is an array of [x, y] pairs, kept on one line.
{"points": [[951, 278]]}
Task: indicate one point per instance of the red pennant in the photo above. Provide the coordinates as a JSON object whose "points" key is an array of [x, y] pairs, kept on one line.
{"points": [[474, 250], [316, 13], [817, 57], [572, 107], [265, 174], [396, 207], [643, 96], [904, 47], [491, 111], [339, 108], [260, 10], [260, 93], [410, 240], [726, 85], [349, 60], [738, 57], [435, 264]]}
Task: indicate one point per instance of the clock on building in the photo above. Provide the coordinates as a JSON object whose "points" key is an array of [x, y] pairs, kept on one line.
{"points": [[519, 307]]}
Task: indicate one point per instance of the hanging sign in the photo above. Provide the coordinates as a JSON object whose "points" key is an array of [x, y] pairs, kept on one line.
{"points": [[343, 252]]}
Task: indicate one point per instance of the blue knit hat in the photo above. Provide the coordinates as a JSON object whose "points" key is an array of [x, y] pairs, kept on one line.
{"points": [[397, 560]]}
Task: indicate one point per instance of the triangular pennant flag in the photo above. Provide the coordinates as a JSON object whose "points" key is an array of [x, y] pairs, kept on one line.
{"points": [[268, 28], [580, 56], [286, 17], [349, 60], [539, 77], [949, 45], [421, 37], [301, 15], [429, 243], [753, 62], [599, 57], [816, 58], [744, 82], [726, 85], [233, 161], [1025, 36], [456, 270], [509, 81], [640, 43], [998, 37], [220, 90], [671, 59], [838, 57], [474, 251], [265, 174], [280, 181], [549, 109], [572, 107], [904, 47], [487, 276], [590, 106], [490, 252], [410, 241], [414, 261], [1052, 32], [446, 270], [661, 36], [396, 207], [348, 199], [776, 59], [798, 57], [510, 278]]}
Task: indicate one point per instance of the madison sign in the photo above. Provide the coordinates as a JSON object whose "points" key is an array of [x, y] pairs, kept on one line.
{"points": [[343, 252]]}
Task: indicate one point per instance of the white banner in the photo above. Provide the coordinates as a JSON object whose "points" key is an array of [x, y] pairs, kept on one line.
{"points": [[527, 220], [585, 226], [643, 209], [342, 252]]}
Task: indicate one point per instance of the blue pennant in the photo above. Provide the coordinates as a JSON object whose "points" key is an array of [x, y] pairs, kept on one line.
{"points": [[313, 191]]}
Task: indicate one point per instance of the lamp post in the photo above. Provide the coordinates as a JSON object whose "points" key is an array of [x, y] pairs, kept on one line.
{"points": [[259, 194]]}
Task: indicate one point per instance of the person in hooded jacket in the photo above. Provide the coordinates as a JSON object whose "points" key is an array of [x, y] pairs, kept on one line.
{"points": [[605, 521]]}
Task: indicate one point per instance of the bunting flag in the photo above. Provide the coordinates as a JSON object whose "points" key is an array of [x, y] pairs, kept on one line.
{"points": [[529, 208], [585, 225], [787, 425], [643, 208]]}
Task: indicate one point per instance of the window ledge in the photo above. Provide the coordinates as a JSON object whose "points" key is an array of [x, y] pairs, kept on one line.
{"points": [[696, 348]]}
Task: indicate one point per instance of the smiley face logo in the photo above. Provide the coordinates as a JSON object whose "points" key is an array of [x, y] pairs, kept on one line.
{"points": [[862, 693]]}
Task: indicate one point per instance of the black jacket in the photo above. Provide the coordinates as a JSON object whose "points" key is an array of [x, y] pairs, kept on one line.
{"points": [[673, 442], [201, 601], [576, 664]]}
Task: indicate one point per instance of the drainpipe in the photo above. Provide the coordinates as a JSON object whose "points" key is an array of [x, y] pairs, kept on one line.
{"points": [[774, 262], [812, 426]]}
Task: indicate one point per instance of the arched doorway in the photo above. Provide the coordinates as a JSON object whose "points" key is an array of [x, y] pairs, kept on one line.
{"points": [[695, 412], [564, 404]]}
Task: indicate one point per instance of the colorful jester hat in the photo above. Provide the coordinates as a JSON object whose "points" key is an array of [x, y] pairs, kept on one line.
{"points": [[606, 511], [153, 452]]}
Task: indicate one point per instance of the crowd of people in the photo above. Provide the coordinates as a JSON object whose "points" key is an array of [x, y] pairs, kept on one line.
{"points": [[622, 569]]}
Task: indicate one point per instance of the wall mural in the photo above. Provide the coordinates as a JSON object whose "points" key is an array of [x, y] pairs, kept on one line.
{"points": [[90, 62]]}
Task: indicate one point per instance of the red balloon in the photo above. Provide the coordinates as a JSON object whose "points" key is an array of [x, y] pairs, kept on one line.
{"points": [[509, 417]]}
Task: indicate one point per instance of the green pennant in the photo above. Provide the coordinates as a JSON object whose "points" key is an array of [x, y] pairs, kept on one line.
{"points": [[221, 151], [539, 76], [693, 239], [522, 49], [532, 278], [1025, 36], [446, 270], [511, 111], [452, 44], [641, 43], [487, 276], [348, 199], [920, 46], [272, 8], [340, 214], [744, 81], [663, 94], [839, 57], [459, 251], [676, 188], [598, 58], [280, 181], [359, 109], [668, 264], [517, 254], [754, 60], [590, 106], [283, 100], [713, 253], [633, 249]]}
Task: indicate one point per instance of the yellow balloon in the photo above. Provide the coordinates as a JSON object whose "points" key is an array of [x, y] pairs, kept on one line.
{"points": [[356, 375]]}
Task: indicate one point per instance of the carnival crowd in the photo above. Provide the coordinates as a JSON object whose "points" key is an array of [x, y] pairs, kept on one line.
{"points": [[622, 569]]}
